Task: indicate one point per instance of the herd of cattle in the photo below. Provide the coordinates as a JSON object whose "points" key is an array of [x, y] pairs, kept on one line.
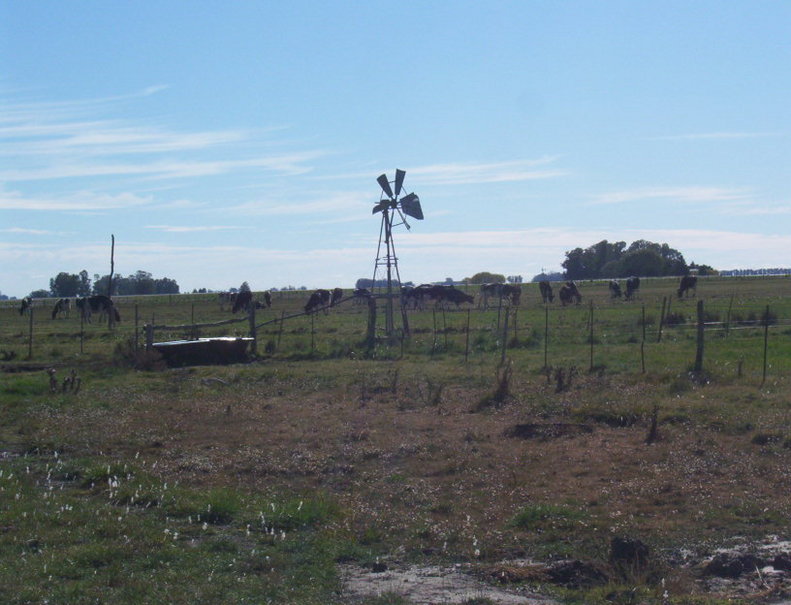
{"points": [[418, 297]]}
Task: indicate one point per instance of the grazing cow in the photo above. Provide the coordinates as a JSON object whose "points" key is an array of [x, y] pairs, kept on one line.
{"points": [[62, 306], [570, 292], [241, 300], [24, 306], [97, 304], [546, 291], [361, 295], [688, 283], [319, 299], [416, 297], [510, 292], [455, 296], [267, 299], [615, 289], [337, 296], [632, 286]]}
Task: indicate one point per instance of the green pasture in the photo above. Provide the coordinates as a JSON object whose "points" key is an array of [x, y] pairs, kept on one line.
{"points": [[602, 333]]}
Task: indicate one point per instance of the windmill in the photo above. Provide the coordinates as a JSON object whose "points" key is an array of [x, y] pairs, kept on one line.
{"points": [[393, 207]]}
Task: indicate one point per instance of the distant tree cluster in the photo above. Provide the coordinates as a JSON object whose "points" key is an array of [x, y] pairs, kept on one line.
{"points": [[69, 285], [485, 277], [606, 260], [141, 282]]}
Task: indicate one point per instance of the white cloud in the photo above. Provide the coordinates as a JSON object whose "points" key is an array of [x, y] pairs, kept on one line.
{"points": [[77, 201], [695, 194]]}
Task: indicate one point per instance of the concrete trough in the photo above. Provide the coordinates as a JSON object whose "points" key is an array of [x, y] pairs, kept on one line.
{"points": [[203, 351]]}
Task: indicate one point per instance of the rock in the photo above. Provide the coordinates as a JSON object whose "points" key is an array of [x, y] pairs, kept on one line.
{"points": [[628, 553], [732, 565], [576, 574], [378, 568], [782, 561]]}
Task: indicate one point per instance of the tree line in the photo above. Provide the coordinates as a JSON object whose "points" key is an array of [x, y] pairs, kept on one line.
{"points": [[69, 285]]}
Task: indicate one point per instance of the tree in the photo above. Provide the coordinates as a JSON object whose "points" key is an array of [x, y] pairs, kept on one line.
{"points": [[39, 294], [484, 277], [64, 285]]}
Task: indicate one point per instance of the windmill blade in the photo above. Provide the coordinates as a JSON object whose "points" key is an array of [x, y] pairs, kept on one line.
{"points": [[403, 219], [380, 206], [411, 206], [385, 185], [399, 181]]}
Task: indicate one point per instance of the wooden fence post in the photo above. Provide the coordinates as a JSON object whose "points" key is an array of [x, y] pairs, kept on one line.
{"points": [[546, 336], [505, 338], [137, 329], [661, 319], [280, 331], [30, 333], [149, 337], [699, 352], [590, 336], [370, 337], [728, 318], [253, 330], [467, 339], [766, 343], [642, 343]]}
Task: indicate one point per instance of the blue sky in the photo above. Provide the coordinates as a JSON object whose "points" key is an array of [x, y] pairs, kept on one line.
{"points": [[223, 142]]}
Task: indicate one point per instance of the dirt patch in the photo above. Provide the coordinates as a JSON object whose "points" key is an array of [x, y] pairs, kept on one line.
{"points": [[431, 584]]}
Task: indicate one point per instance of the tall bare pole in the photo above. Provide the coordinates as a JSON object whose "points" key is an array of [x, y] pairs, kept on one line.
{"points": [[110, 314]]}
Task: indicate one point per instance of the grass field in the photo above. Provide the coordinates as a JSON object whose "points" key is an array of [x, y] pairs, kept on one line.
{"points": [[253, 482]]}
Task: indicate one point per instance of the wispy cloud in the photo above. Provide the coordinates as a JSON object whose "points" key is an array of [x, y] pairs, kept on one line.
{"points": [[494, 172], [193, 229], [717, 136], [693, 194], [77, 201]]}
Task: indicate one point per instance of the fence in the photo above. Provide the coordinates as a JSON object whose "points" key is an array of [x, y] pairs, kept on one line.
{"points": [[638, 337]]}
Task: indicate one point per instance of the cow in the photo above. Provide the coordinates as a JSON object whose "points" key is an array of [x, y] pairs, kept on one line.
{"points": [[361, 295], [688, 283], [62, 306], [415, 297], [510, 292], [615, 289], [241, 301], [320, 298], [455, 296], [632, 286], [570, 292], [336, 297], [24, 306], [546, 291], [97, 304]]}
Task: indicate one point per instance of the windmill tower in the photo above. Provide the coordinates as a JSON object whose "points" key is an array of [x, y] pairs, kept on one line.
{"points": [[392, 207]]}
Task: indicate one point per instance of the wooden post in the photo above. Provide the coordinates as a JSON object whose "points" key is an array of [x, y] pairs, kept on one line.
{"points": [[546, 336], [137, 329], [505, 338], [467, 340], [280, 330], [590, 319], [766, 343], [149, 337], [434, 339], [30, 332], [82, 328], [110, 314], [642, 345], [445, 327], [728, 318], [370, 338], [253, 330], [699, 353], [192, 322], [661, 319]]}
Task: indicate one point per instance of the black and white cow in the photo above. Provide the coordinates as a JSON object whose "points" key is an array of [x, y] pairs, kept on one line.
{"points": [[336, 297], [103, 305], [319, 299], [509, 292], [547, 296], [615, 289], [569, 292], [63, 306], [24, 306], [632, 287]]}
